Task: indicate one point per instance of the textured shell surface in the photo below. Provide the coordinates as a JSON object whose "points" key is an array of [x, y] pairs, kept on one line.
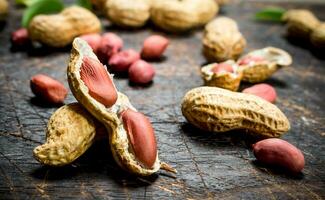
{"points": [[226, 80], [219, 110], [70, 132], [222, 40]]}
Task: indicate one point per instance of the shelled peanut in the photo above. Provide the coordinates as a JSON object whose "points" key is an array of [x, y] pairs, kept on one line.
{"points": [[222, 40], [262, 90], [59, 30], [279, 153], [48, 89], [219, 110]]}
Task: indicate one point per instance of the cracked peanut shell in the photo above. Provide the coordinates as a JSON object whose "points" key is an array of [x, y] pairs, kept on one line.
{"points": [[59, 30], [3, 9], [258, 71], [70, 132], [109, 117], [226, 80], [182, 15], [222, 40], [219, 110]]}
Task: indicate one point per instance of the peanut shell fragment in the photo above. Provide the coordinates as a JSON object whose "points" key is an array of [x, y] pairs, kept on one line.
{"points": [[219, 110], [70, 132], [224, 75], [260, 64]]}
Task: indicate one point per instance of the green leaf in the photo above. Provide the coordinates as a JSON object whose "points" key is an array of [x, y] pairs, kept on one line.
{"points": [[84, 3], [270, 14], [41, 7]]}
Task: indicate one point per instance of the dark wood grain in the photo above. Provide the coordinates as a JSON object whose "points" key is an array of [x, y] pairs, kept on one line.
{"points": [[216, 166]]}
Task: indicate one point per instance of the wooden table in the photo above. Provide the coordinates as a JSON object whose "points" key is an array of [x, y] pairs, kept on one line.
{"points": [[216, 166]]}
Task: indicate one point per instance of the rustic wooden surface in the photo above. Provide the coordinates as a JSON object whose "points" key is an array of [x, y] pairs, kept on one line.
{"points": [[219, 166]]}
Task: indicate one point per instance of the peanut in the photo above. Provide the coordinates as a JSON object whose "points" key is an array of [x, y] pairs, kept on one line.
{"points": [[48, 89], [260, 64], [98, 81], [59, 30], [222, 40], [224, 75], [141, 136], [70, 132], [317, 37], [93, 39], [3, 9], [127, 13], [219, 110], [277, 152], [20, 37], [127, 155], [153, 47], [300, 23], [141, 72], [262, 90], [110, 44], [179, 16], [121, 61]]}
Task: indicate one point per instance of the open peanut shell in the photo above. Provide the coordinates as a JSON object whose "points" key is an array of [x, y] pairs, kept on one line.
{"points": [[260, 64], [223, 79], [109, 116]]}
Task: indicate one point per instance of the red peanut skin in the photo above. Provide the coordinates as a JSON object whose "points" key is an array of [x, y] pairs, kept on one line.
{"points": [[246, 60], [93, 40], [110, 44], [262, 90], [98, 82], [48, 89], [141, 72], [153, 47], [20, 37], [121, 61], [277, 152], [141, 137], [222, 67]]}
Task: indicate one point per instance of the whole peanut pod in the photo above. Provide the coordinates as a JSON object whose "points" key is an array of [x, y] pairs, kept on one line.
{"points": [[317, 37], [3, 9], [222, 40], [260, 64], [277, 152], [127, 131], [127, 13], [70, 132], [224, 75], [179, 16], [219, 110], [59, 30], [300, 23]]}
